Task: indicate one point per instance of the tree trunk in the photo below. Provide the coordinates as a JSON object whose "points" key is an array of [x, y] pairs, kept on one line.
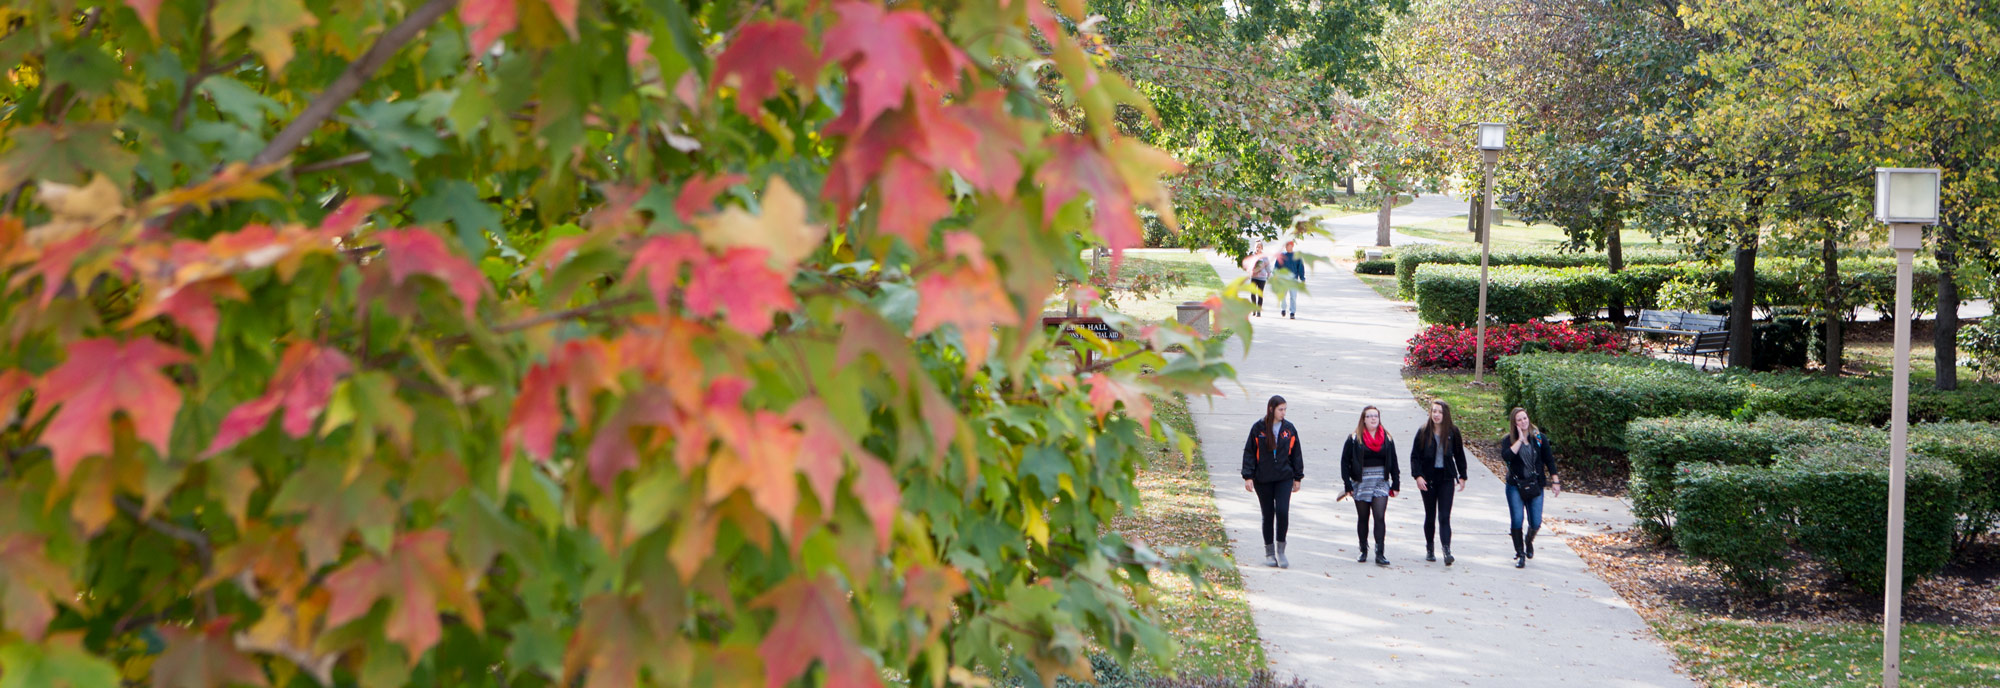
{"points": [[1743, 293], [1350, 185], [1834, 355], [1472, 216], [1382, 219], [1615, 257], [1946, 335]]}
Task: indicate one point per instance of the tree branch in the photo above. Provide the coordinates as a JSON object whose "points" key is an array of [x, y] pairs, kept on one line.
{"points": [[349, 82], [331, 163]]}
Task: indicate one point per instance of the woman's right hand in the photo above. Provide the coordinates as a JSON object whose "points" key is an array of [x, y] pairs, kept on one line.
{"points": [[1421, 487], [1249, 486]]}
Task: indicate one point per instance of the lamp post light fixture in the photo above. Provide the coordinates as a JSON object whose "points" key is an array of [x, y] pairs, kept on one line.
{"points": [[1492, 140], [1906, 199]]}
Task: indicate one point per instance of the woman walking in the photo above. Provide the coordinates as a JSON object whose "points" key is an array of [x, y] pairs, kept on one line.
{"points": [[1273, 467], [1368, 468], [1531, 466], [1260, 275], [1438, 463]]}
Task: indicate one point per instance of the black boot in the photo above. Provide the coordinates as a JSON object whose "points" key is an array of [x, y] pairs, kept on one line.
{"points": [[1447, 555], [1379, 559], [1364, 552], [1520, 557], [1530, 549], [1430, 552]]}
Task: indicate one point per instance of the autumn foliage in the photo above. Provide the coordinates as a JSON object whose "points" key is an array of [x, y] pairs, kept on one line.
{"points": [[565, 342]]}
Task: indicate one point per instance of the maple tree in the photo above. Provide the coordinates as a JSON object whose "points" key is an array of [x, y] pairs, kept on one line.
{"points": [[568, 342]]}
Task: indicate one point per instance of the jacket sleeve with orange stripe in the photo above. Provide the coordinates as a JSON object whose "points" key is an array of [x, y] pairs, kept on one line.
{"points": [[1250, 454], [1298, 455]]}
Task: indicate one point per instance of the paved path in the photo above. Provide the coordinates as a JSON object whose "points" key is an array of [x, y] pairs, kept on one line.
{"points": [[1339, 623], [1359, 230]]}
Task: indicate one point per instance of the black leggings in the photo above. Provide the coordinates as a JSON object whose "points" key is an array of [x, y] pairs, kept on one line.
{"points": [[1275, 500], [1380, 507], [1257, 297], [1437, 510]]}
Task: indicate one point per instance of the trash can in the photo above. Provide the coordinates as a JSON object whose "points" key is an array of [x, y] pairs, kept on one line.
{"points": [[1196, 314]]}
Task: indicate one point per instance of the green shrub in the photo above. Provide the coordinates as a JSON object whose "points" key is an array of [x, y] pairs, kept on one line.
{"points": [[1975, 449], [1863, 400], [1449, 294], [1781, 342], [1660, 447], [1584, 401], [1408, 258], [1379, 266], [1981, 342], [1841, 493], [1731, 521]]}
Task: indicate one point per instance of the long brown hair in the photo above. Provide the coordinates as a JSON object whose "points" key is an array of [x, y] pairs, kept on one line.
{"points": [[1438, 432], [1514, 433], [1270, 418], [1361, 424]]}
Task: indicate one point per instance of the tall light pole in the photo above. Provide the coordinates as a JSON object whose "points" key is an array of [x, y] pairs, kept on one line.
{"points": [[1492, 140], [1906, 199]]}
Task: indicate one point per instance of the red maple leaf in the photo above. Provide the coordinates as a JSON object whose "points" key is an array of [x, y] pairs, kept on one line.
{"points": [[978, 140], [33, 585], [303, 385], [489, 20], [864, 332], [880, 496], [814, 622], [659, 261], [1106, 393], [742, 283], [149, 14], [343, 220], [970, 299], [204, 657], [755, 56], [637, 47], [1076, 167], [886, 53], [414, 577], [536, 417], [698, 194], [12, 384], [192, 307], [412, 252], [822, 449], [565, 11], [52, 263], [101, 378], [911, 201], [615, 450]]}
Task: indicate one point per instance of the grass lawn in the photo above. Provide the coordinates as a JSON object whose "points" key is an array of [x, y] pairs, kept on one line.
{"points": [[1736, 653], [1510, 233], [1202, 282], [1877, 358], [1478, 411], [1382, 284], [1177, 509]]}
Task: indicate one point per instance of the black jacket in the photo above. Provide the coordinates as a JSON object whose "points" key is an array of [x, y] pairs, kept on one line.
{"points": [[1351, 457], [1517, 471], [1265, 463], [1423, 455]]}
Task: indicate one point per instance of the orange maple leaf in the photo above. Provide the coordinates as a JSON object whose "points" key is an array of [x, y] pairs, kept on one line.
{"points": [[101, 378]]}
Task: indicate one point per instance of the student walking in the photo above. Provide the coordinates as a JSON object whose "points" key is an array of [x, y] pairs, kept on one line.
{"points": [[1437, 461], [1290, 260], [1259, 265], [1368, 468], [1274, 468], [1531, 466]]}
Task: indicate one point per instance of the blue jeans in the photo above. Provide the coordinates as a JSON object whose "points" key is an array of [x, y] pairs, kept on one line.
{"points": [[1533, 507], [1291, 301]]}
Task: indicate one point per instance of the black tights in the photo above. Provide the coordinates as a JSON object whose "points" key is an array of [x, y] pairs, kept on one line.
{"points": [[1437, 512], [1380, 507], [1257, 297], [1275, 500]]}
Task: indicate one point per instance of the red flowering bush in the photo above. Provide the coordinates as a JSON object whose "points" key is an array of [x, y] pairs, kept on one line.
{"points": [[1454, 346]]}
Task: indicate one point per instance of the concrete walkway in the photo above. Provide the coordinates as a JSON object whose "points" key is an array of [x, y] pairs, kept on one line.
{"points": [[1359, 230], [1336, 622]]}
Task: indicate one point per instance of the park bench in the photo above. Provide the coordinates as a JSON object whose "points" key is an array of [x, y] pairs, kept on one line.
{"points": [[1702, 335]]}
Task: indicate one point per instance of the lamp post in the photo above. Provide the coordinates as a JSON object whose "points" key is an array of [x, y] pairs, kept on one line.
{"points": [[1906, 199], [1492, 140]]}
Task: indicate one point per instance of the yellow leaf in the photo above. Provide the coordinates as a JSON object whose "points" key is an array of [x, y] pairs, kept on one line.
{"points": [[91, 205], [782, 230]]}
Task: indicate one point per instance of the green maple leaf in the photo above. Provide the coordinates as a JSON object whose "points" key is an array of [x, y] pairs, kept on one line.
{"points": [[271, 24], [457, 202]]}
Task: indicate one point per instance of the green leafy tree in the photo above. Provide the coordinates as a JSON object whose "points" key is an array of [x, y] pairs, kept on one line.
{"points": [[566, 342]]}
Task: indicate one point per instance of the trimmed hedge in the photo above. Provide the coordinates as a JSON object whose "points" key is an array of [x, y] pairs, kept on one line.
{"points": [[1733, 523], [1841, 493], [1584, 401], [1975, 449], [1449, 294], [1862, 400], [1379, 266], [1409, 257], [1661, 447]]}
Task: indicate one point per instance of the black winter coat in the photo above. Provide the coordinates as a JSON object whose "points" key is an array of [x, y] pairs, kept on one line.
{"points": [[1265, 462], [1518, 475], [1424, 455], [1351, 461]]}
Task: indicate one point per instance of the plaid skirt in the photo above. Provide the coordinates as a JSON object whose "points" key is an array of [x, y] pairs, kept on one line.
{"points": [[1374, 483]]}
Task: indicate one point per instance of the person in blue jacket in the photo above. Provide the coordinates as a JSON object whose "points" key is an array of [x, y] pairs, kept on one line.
{"points": [[1274, 468], [1291, 260]]}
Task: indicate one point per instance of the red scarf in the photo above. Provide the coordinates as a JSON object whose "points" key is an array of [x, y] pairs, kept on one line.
{"points": [[1373, 441]]}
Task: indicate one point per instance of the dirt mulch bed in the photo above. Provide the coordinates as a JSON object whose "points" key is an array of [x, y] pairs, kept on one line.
{"points": [[1656, 578], [1608, 481]]}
